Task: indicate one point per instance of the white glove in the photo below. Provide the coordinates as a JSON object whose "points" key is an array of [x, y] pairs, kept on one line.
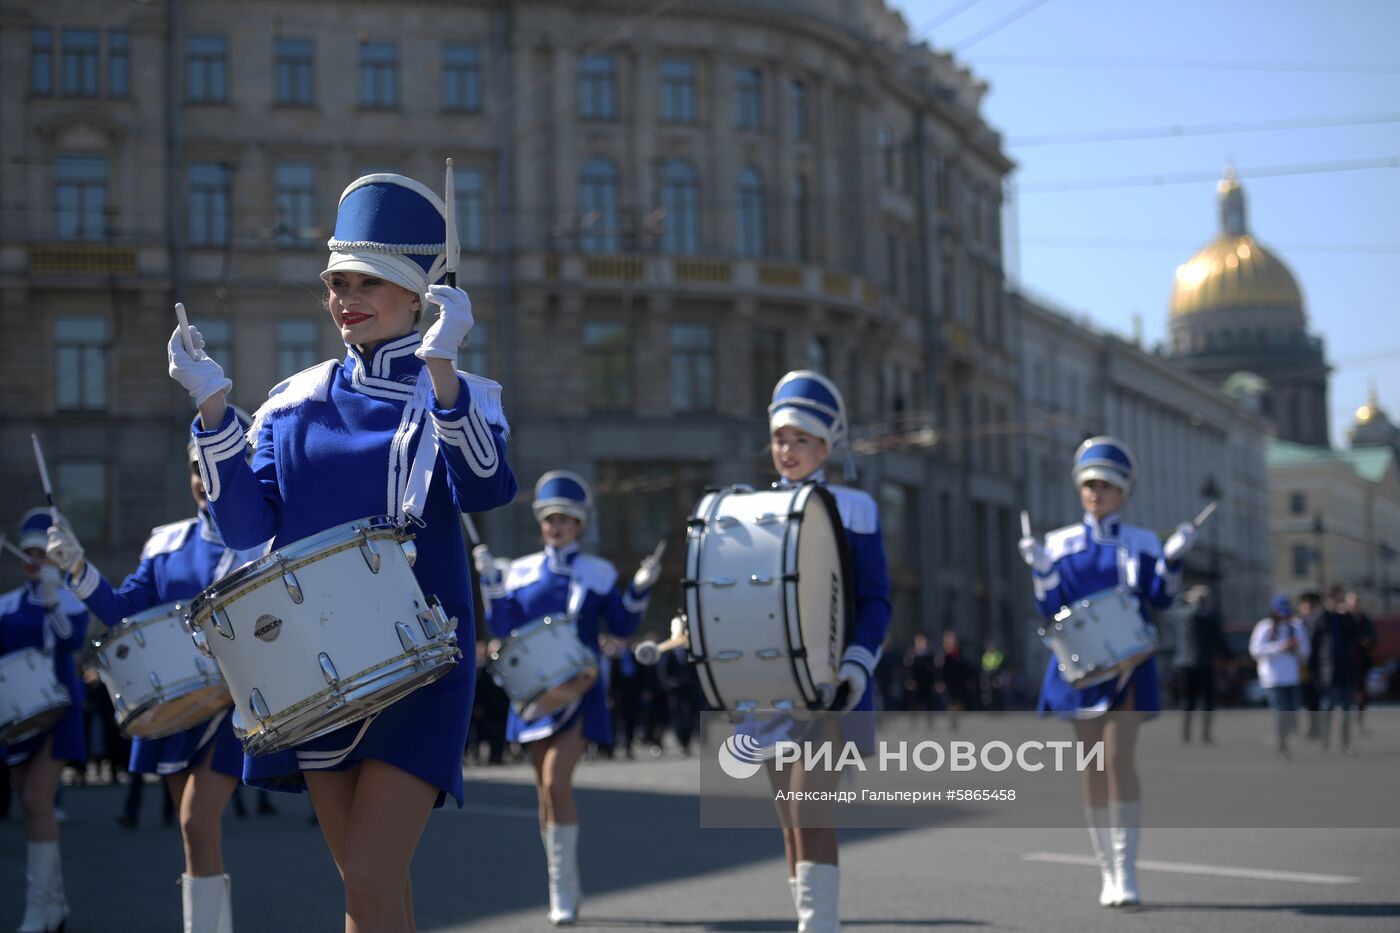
{"points": [[851, 676], [486, 569], [50, 583], [454, 322], [678, 626], [200, 375], [647, 575], [1034, 555], [1180, 542], [64, 548]]}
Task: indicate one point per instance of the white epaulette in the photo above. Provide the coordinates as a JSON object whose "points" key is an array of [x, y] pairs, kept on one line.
{"points": [[486, 398], [595, 573], [10, 602], [309, 385], [167, 538], [1141, 541], [859, 513], [1070, 539]]}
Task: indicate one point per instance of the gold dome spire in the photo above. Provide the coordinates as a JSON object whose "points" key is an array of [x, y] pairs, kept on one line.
{"points": [[1234, 270], [1371, 411]]}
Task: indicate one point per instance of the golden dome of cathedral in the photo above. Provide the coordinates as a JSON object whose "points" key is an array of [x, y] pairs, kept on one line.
{"points": [[1233, 270], [1372, 410]]}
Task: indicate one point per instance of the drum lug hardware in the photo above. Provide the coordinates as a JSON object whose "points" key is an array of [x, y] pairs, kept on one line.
{"points": [[695, 523], [767, 518], [745, 706], [155, 681], [289, 580], [768, 654], [757, 580], [728, 656], [369, 552], [200, 642], [405, 637], [410, 550], [328, 670], [258, 705], [103, 663], [719, 582], [791, 577], [222, 625], [120, 703], [137, 637], [1074, 658], [427, 620], [726, 521]]}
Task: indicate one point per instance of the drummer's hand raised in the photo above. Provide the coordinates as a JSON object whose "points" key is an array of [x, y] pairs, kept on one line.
{"points": [[486, 569], [197, 372], [647, 574], [454, 322], [1180, 542], [64, 548], [50, 585], [1034, 555]]}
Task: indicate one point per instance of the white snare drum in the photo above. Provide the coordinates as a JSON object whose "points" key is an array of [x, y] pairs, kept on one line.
{"points": [[159, 682], [1099, 637], [766, 597], [544, 667], [31, 698], [323, 632]]}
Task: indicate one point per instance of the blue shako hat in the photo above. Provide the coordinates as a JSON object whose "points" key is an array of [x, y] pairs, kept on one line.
{"points": [[34, 529], [563, 492], [391, 227], [1282, 605], [1106, 458], [810, 402]]}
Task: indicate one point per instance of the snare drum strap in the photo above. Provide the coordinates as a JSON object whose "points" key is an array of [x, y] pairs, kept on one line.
{"points": [[420, 471], [1127, 568]]}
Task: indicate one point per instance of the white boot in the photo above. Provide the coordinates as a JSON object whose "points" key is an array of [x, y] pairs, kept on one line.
{"points": [[561, 849], [1102, 840], [207, 905], [818, 893], [1126, 816], [45, 907]]}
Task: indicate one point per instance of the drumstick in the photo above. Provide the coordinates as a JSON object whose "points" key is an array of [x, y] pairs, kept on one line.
{"points": [[660, 549], [450, 209], [649, 652], [470, 527], [185, 337], [43, 469], [1206, 513], [5, 543], [1025, 524]]}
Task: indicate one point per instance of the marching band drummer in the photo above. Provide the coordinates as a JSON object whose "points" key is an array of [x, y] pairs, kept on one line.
{"points": [[202, 765], [806, 422], [41, 614], [1077, 561], [561, 581], [392, 428]]}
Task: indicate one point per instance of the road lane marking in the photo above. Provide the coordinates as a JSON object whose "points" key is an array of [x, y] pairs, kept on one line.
{"points": [[1195, 868]]}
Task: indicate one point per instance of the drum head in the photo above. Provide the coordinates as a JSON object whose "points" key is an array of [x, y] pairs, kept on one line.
{"points": [[825, 607]]}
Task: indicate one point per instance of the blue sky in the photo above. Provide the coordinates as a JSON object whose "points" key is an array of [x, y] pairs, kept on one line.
{"points": [[1059, 68]]}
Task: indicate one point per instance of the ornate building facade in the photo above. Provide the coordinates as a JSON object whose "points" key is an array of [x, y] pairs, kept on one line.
{"points": [[1236, 308]]}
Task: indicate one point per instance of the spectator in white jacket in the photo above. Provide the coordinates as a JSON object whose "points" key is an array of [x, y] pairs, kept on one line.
{"points": [[1279, 645]]}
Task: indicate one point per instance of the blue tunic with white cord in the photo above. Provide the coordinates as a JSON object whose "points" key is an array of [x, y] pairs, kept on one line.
{"points": [[562, 582], [351, 439], [25, 623], [1088, 558], [178, 561]]}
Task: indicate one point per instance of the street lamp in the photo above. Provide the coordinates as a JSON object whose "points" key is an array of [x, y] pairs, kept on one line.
{"points": [[1318, 530]]}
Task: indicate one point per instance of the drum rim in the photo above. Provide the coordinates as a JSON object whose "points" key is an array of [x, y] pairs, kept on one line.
{"points": [[179, 607], [290, 557]]}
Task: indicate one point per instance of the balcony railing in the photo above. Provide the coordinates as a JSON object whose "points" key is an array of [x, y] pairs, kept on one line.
{"points": [[82, 259]]}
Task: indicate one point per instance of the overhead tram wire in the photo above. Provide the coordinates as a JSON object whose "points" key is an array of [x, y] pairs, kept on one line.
{"points": [[969, 41], [1203, 129], [1199, 175], [939, 19], [1049, 61], [1062, 242]]}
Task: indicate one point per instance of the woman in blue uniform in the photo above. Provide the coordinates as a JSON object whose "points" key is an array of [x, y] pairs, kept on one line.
{"points": [[1097, 554], [392, 429], [203, 764], [41, 614], [806, 422], [561, 581]]}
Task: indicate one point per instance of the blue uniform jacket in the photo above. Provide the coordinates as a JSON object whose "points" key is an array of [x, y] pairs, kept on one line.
{"points": [[24, 623]]}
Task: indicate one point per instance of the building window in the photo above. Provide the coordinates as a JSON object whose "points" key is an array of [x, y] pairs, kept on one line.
{"points": [[296, 346], [82, 487], [475, 357], [206, 74], [751, 227], [470, 197], [296, 70], [295, 197], [607, 349], [80, 363], [461, 78], [208, 204], [748, 98], [680, 194], [41, 61], [677, 90], [597, 80], [693, 368], [598, 193], [80, 197], [80, 63], [1298, 503], [1302, 559], [819, 355], [379, 75], [769, 365], [896, 511], [797, 109], [802, 203], [118, 63], [885, 139]]}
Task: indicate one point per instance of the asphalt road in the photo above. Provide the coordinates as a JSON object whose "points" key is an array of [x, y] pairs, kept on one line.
{"points": [[647, 865]]}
